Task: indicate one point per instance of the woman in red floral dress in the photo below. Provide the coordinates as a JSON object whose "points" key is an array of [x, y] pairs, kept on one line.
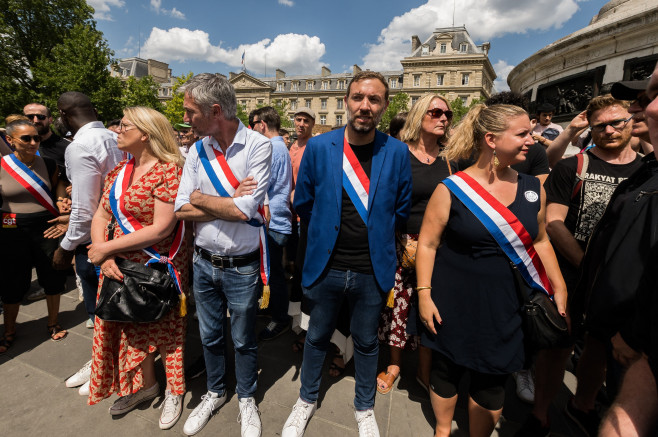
{"points": [[124, 353]]}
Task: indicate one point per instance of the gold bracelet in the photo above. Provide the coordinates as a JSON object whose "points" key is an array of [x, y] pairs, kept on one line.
{"points": [[423, 288]]}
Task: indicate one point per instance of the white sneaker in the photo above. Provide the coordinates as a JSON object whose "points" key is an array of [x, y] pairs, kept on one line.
{"points": [[525, 386], [37, 294], [249, 418], [296, 423], [89, 324], [210, 402], [367, 423], [84, 389], [78, 284], [127, 403], [80, 377], [172, 408]]}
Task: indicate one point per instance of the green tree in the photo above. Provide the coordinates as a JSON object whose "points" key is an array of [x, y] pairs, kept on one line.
{"points": [[397, 104], [53, 46], [141, 92], [242, 114], [173, 109], [281, 107], [459, 109]]}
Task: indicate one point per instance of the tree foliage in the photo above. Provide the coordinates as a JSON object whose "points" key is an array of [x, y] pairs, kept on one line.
{"points": [[141, 92], [50, 47], [173, 109], [397, 104], [459, 109], [281, 107]]}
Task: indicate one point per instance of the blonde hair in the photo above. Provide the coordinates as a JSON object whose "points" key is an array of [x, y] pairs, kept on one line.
{"points": [[410, 133], [480, 120], [161, 135]]}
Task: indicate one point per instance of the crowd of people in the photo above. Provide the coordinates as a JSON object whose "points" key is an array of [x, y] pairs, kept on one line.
{"points": [[425, 238]]}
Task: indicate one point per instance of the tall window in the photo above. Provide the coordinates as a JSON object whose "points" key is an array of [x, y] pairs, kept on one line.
{"points": [[465, 78], [293, 104], [394, 82], [309, 85], [279, 86], [325, 85], [323, 103], [414, 100], [442, 47], [425, 51], [307, 103], [339, 103], [339, 120], [416, 79], [440, 79], [323, 119], [341, 84], [463, 47], [295, 86]]}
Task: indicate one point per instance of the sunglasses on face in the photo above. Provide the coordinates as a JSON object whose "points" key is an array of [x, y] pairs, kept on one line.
{"points": [[39, 116], [27, 138], [615, 124], [437, 113]]}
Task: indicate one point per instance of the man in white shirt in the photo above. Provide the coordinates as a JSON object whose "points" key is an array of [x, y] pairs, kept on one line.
{"points": [[227, 237], [89, 158]]}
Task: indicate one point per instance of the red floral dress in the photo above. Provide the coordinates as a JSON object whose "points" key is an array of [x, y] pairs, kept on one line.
{"points": [[120, 348]]}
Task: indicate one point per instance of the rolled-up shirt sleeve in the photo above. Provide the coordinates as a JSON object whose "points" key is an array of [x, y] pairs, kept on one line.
{"points": [[86, 182], [188, 182], [259, 166]]}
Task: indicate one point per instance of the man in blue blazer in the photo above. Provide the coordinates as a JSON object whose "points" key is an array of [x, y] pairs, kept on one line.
{"points": [[353, 188]]}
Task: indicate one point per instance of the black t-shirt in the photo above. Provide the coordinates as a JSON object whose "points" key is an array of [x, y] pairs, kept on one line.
{"points": [[352, 250], [424, 179], [54, 148], [587, 207], [536, 162]]}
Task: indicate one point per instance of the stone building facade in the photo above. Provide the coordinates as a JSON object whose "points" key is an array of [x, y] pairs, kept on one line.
{"points": [[138, 67], [447, 63], [620, 43]]}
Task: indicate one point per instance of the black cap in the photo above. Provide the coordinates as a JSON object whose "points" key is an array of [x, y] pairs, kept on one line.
{"points": [[545, 107], [629, 89]]}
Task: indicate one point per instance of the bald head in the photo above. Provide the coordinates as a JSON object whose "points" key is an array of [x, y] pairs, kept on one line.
{"points": [[75, 110]]}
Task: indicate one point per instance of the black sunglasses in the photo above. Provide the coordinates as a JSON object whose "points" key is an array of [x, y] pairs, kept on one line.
{"points": [[39, 116], [437, 113], [27, 138]]}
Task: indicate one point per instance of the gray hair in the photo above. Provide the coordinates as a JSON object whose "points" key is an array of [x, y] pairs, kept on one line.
{"points": [[14, 125], [209, 89]]}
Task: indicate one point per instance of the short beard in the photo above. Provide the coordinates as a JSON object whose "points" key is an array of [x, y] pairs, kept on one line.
{"points": [[42, 129], [363, 129]]}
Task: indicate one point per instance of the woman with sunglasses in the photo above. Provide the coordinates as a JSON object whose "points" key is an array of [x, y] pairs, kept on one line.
{"points": [[425, 131], [141, 191], [27, 184], [477, 222]]}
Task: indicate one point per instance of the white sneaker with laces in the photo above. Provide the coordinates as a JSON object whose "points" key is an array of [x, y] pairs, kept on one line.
{"points": [[367, 423], [84, 389], [525, 386], [298, 419], [37, 294], [210, 402], [80, 377], [127, 403], [249, 418], [172, 408]]}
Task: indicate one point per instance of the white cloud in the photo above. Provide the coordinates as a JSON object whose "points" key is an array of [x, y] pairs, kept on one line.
{"points": [[156, 5], [102, 8], [290, 52], [502, 69], [484, 19], [286, 2]]}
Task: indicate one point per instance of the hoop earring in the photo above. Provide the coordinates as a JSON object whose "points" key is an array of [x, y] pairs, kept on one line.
{"points": [[496, 162]]}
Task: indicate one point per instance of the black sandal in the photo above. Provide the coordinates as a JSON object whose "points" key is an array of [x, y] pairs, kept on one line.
{"points": [[54, 330], [6, 341]]}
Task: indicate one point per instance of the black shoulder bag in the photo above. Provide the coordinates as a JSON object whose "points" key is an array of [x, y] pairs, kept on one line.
{"points": [[146, 294]]}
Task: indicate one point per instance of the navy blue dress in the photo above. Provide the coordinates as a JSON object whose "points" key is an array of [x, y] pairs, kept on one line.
{"points": [[473, 287]]}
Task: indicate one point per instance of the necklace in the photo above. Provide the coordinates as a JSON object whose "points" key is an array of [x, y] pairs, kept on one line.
{"points": [[423, 156]]}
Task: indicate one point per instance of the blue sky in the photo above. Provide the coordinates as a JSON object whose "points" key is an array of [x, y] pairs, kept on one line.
{"points": [[301, 36]]}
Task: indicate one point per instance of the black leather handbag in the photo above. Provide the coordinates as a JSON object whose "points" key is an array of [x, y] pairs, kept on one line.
{"points": [[146, 294], [543, 326]]}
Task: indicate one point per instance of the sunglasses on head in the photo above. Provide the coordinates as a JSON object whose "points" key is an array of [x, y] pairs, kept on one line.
{"points": [[39, 116], [27, 138], [437, 113]]}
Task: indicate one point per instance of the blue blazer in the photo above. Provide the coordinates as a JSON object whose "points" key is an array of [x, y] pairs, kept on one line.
{"points": [[318, 201]]}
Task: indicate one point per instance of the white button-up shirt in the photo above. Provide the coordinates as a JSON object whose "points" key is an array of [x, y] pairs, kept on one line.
{"points": [[89, 158], [250, 154]]}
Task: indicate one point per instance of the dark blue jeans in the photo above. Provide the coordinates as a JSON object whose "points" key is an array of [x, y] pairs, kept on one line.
{"points": [[365, 299], [86, 271], [279, 301], [237, 288]]}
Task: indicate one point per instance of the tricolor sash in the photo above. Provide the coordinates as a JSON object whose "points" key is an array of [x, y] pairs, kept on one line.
{"points": [[128, 223], [355, 181], [504, 227], [30, 181], [225, 183]]}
